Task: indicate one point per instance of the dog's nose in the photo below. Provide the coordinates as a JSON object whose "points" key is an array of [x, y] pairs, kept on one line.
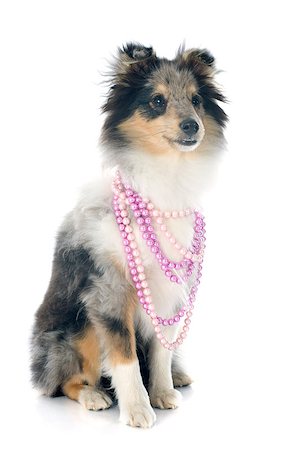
{"points": [[189, 126]]}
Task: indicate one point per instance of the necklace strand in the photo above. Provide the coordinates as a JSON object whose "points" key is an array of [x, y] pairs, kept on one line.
{"points": [[190, 265]]}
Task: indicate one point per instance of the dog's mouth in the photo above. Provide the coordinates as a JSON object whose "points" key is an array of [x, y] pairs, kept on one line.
{"points": [[182, 142], [187, 142]]}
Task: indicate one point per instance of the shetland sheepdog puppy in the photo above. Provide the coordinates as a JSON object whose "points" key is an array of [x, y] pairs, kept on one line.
{"points": [[164, 132]]}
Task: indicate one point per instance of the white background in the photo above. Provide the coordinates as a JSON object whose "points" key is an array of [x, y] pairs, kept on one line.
{"points": [[52, 54]]}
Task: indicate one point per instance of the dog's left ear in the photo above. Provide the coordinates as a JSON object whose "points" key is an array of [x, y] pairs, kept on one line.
{"points": [[199, 61], [132, 58]]}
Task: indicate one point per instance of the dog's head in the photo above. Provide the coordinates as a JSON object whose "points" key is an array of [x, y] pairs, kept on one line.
{"points": [[159, 105]]}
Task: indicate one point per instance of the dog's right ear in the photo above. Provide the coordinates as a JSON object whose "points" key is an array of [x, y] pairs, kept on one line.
{"points": [[132, 58], [134, 52]]}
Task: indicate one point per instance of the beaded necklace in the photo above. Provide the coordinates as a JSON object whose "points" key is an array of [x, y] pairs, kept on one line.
{"points": [[188, 269]]}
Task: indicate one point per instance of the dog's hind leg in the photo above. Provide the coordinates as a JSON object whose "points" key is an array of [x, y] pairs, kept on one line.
{"points": [[84, 386]]}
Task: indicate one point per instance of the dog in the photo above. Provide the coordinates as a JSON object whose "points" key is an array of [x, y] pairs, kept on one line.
{"points": [[161, 142]]}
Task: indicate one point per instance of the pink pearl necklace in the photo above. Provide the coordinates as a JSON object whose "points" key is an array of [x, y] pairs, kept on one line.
{"points": [[191, 258]]}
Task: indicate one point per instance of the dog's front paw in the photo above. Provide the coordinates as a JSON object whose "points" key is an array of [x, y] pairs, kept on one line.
{"points": [[167, 399], [138, 415]]}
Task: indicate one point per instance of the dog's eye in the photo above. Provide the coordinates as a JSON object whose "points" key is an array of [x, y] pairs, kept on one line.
{"points": [[159, 102], [196, 100]]}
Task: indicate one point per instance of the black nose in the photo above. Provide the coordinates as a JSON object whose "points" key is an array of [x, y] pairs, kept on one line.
{"points": [[189, 126]]}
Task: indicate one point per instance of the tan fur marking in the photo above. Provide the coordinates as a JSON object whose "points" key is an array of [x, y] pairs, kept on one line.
{"points": [[149, 135], [73, 387], [162, 89], [88, 347]]}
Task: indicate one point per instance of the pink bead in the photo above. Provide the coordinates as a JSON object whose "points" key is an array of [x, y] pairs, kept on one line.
{"points": [[143, 228], [172, 240], [138, 261], [171, 321], [154, 249], [151, 307], [163, 227], [155, 213], [159, 220], [144, 284], [148, 299], [181, 213], [140, 220], [126, 221], [124, 213], [183, 251], [167, 214], [187, 212], [163, 341], [177, 318], [148, 220], [173, 278], [140, 293], [140, 268], [133, 245], [152, 314], [128, 229], [155, 322], [133, 271], [157, 329], [150, 206], [147, 291], [135, 253], [174, 214], [131, 264], [141, 276], [138, 285], [130, 237], [178, 246], [165, 322], [159, 336], [168, 234]]}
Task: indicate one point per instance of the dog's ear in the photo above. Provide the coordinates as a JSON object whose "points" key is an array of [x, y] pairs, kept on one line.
{"points": [[134, 52], [199, 61], [132, 58]]}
